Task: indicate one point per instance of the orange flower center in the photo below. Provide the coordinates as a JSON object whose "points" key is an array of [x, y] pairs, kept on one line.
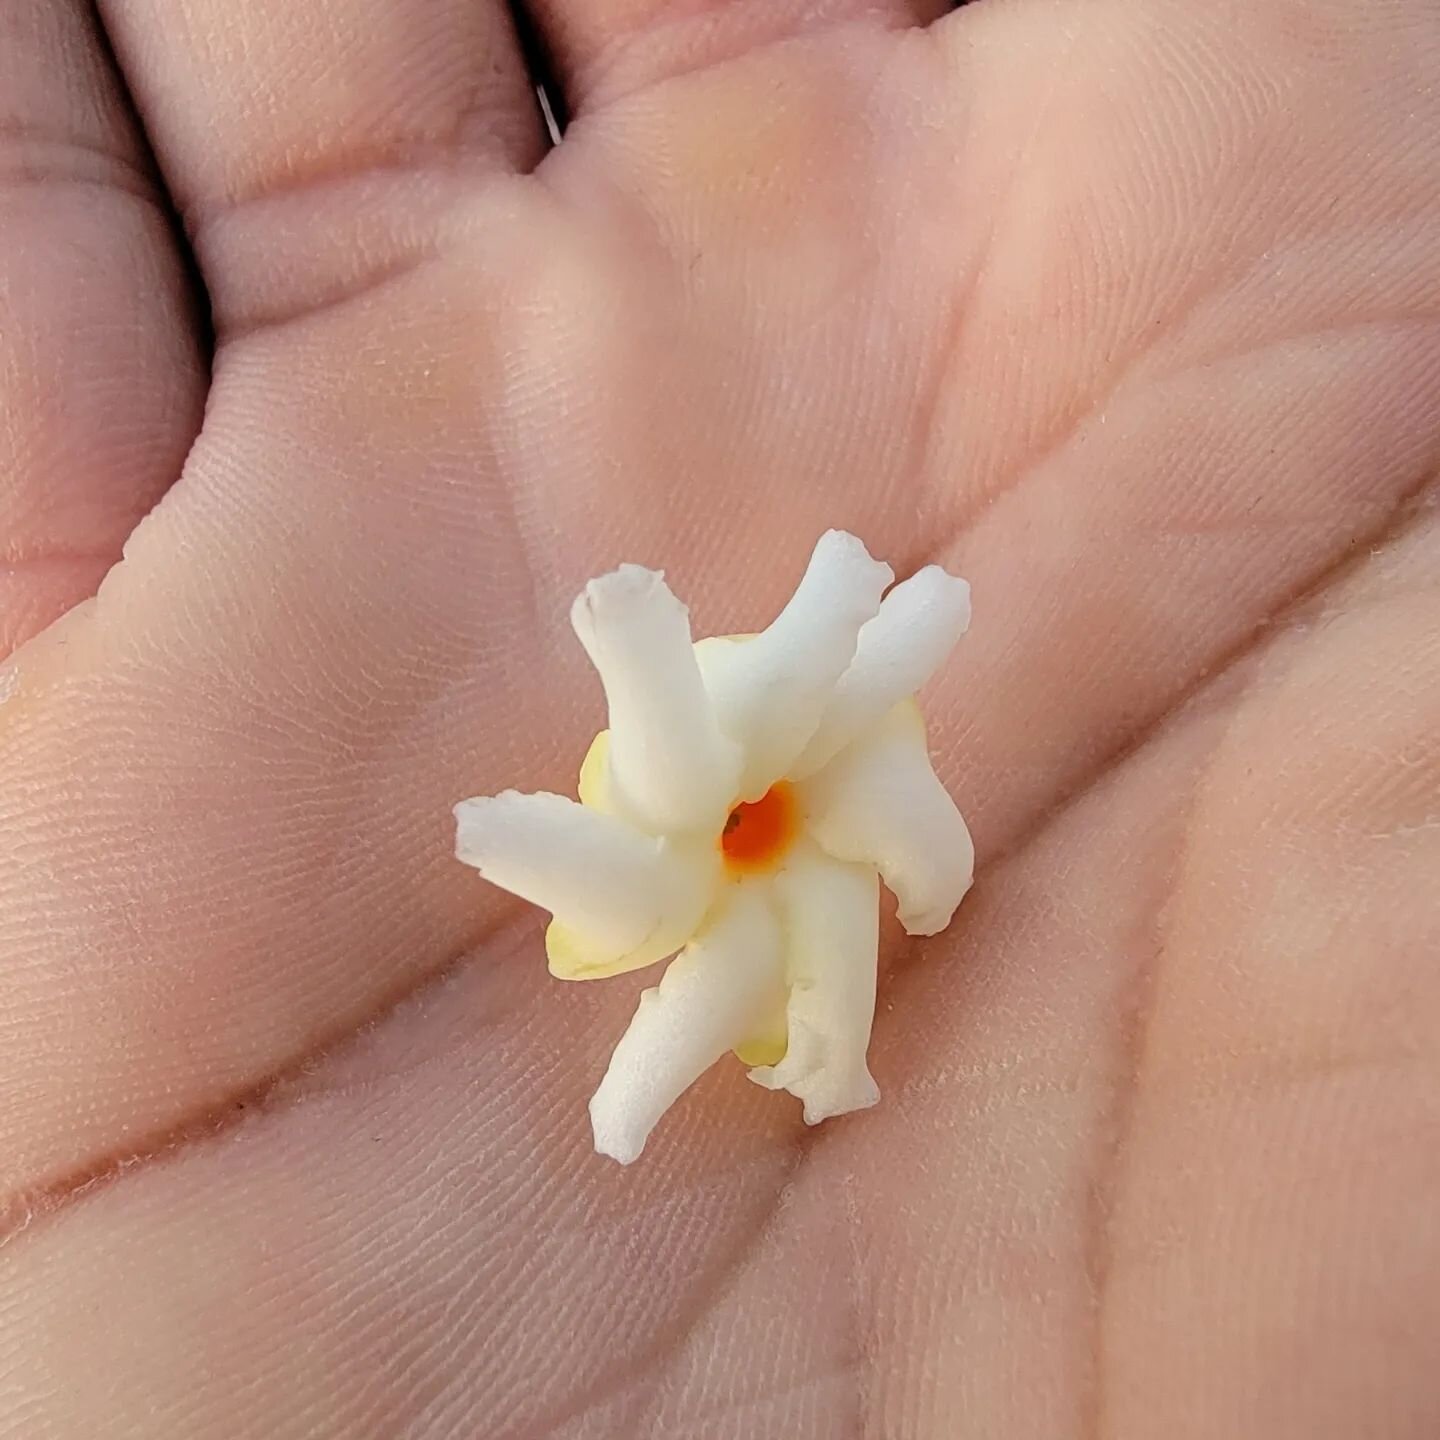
{"points": [[758, 833]]}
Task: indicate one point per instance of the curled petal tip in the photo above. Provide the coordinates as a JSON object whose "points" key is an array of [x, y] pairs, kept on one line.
{"points": [[950, 591], [613, 1139], [840, 547], [622, 584], [857, 1092], [924, 926], [929, 922], [669, 766], [470, 826]]}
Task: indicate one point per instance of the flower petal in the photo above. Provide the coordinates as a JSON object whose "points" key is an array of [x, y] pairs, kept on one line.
{"points": [[767, 1039], [880, 802], [670, 767], [917, 626], [831, 915], [706, 1001], [770, 690], [620, 889], [574, 955]]}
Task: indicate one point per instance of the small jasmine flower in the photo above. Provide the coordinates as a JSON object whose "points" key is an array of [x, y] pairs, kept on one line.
{"points": [[738, 813]]}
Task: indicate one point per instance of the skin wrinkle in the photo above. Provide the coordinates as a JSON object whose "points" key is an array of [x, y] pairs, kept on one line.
{"points": [[471, 177], [957, 325], [12, 563], [1233, 263], [587, 84], [849, 1364], [1132, 1036], [858, 1332], [1272, 1074], [758, 1397], [399, 158], [698, 1421], [927, 411], [1052, 445], [17, 174], [363, 288], [1131, 369], [405, 155], [653, 1357], [17, 134], [1409, 508], [1387, 322], [266, 1096]]}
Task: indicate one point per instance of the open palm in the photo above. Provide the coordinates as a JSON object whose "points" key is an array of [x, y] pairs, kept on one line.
{"points": [[1128, 311]]}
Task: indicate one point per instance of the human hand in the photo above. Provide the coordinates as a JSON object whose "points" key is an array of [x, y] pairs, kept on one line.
{"points": [[1125, 311]]}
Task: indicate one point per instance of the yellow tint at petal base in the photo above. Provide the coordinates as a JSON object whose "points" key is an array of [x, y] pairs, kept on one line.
{"points": [[569, 956], [910, 710], [573, 957], [768, 1043], [594, 787]]}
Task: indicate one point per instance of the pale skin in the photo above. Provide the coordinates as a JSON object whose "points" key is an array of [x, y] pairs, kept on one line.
{"points": [[1127, 311]]}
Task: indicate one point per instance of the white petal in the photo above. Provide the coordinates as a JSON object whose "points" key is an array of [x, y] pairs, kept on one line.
{"points": [[671, 769], [880, 802], [898, 651], [771, 690], [618, 887], [830, 913], [707, 1000]]}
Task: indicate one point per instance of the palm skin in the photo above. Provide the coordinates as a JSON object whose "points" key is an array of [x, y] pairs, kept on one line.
{"points": [[1129, 314]]}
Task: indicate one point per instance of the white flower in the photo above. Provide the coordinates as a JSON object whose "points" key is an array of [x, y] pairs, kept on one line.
{"points": [[741, 807]]}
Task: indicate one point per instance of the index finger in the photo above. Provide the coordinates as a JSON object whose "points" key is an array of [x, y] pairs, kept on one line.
{"points": [[101, 380]]}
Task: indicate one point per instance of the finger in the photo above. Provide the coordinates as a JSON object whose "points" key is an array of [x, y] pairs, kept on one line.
{"points": [[602, 49], [287, 654], [312, 147], [100, 380]]}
